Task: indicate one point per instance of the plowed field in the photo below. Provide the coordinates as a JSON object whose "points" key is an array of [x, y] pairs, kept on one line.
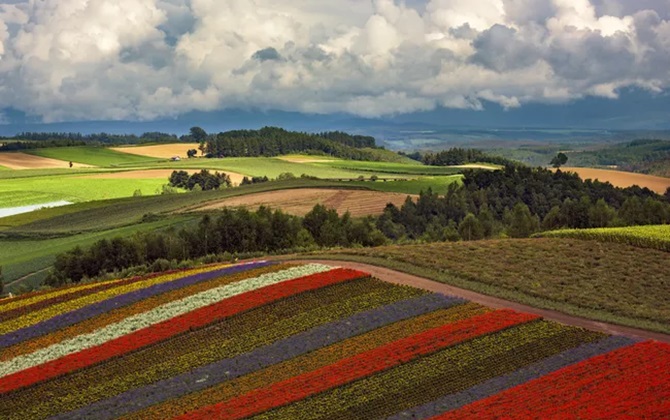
{"points": [[163, 151], [623, 179], [18, 160], [301, 201]]}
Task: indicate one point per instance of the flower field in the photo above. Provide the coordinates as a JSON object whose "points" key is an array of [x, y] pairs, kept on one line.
{"points": [[655, 236], [266, 340]]}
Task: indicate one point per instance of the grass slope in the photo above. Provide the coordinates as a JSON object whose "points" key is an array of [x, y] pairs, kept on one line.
{"points": [[97, 156], [24, 191], [21, 258], [610, 282], [390, 168], [657, 237], [438, 184], [260, 166], [123, 212]]}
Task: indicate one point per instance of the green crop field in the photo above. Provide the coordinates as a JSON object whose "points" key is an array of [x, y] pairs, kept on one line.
{"points": [[25, 191], [438, 184], [569, 275], [390, 168], [19, 198], [96, 156], [657, 237], [49, 213], [20, 258], [38, 173], [259, 166]]}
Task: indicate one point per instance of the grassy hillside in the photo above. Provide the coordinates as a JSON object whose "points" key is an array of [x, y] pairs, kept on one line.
{"points": [[96, 156], [610, 282], [36, 190], [122, 212], [657, 237], [306, 342], [26, 259], [390, 168]]}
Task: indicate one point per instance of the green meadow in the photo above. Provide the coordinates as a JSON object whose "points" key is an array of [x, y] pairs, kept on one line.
{"points": [[24, 259], [36, 190], [96, 156]]}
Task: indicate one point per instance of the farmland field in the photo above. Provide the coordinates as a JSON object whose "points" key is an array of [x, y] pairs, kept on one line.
{"points": [[18, 160], [657, 237], [390, 168], [623, 179], [161, 151], [97, 156], [118, 174], [286, 341], [582, 278], [300, 201], [36, 190]]}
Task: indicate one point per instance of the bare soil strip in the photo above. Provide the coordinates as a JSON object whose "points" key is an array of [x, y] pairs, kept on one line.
{"points": [[300, 201], [622, 179], [397, 277], [18, 160], [157, 174], [161, 151]]}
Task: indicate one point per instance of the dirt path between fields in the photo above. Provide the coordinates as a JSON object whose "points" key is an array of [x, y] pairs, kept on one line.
{"points": [[398, 277]]}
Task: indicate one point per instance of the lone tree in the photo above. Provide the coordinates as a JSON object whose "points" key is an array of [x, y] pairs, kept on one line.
{"points": [[559, 160], [191, 153], [198, 134]]}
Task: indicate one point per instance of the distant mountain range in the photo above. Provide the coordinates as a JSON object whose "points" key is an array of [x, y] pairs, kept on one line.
{"points": [[635, 114]]}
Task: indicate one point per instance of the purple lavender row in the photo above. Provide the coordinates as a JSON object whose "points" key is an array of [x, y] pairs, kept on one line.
{"points": [[99, 308], [225, 370], [521, 376]]}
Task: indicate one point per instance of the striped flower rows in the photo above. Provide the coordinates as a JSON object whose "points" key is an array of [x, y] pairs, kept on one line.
{"points": [[306, 342]]}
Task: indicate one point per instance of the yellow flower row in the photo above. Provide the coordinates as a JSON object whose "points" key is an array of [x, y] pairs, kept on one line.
{"points": [[39, 297], [52, 311]]}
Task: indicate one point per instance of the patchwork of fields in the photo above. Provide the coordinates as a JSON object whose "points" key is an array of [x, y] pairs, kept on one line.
{"points": [[43, 175], [299, 202], [263, 340]]}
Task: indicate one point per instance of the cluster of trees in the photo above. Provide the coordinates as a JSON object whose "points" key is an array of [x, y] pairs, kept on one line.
{"points": [[516, 201], [203, 180], [26, 145], [348, 139], [254, 180], [274, 141], [519, 201], [232, 231], [55, 139], [459, 156]]}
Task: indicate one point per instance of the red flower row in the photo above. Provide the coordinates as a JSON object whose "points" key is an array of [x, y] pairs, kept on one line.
{"points": [[360, 366], [180, 324], [633, 382]]}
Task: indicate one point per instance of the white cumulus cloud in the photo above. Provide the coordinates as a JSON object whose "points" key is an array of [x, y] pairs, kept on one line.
{"points": [[123, 59]]}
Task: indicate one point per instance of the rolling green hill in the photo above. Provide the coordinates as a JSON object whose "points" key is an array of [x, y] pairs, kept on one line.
{"points": [[96, 156]]}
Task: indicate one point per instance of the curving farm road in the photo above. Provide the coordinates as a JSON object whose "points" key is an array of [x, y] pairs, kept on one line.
{"points": [[398, 277]]}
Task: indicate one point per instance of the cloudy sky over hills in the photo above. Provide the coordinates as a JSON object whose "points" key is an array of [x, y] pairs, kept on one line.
{"points": [[77, 60]]}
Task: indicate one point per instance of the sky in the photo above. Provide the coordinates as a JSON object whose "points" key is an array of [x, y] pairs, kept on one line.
{"points": [[129, 60]]}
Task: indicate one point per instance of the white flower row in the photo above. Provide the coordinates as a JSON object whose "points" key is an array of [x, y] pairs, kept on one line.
{"points": [[154, 316]]}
